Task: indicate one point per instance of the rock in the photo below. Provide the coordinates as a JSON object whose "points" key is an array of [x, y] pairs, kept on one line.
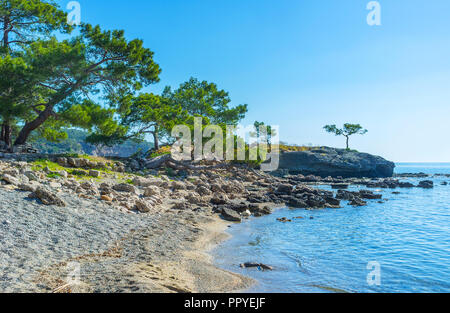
{"points": [[80, 173], [405, 185], [14, 172], [181, 206], [90, 164], [367, 194], [257, 210], [125, 188], [106, 198], [335, 162], [315, 201], [219, 200], [203, 191], [283, 220], [332, 201], [31, 175], [339, 186], [11, 180], [47, 197], [426, 184], [217, 188], [285, 189], [358, 202], [345, 195], [142, 206], [194, 198], [62, 161], [25, 148], [71, 162], [414, 175], [55, 185], [94, 173], [297, 203], [27, 187], [230, 215], [177, 185], [146, 182], [444, 183], [63, 174], [134, 164], [152, 191]]}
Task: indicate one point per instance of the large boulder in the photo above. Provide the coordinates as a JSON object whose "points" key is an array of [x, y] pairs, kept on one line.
{"points": [[47, 197], [230, 215], [334, 162]]}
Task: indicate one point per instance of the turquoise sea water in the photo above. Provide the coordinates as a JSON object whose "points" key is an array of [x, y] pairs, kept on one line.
{"points": [[408, 236]]}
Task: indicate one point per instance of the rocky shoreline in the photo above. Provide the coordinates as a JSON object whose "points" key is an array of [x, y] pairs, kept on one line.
{"points": [[326, 161], [141, 232]]}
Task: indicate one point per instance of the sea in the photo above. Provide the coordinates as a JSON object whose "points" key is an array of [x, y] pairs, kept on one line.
{"points": [[399, 246]]}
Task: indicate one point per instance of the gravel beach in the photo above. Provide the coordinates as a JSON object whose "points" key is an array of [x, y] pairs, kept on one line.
{"points": [[40, 246]]}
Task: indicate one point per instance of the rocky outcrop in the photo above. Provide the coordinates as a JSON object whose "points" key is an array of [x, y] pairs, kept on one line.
{"points": [[47, 197], [426, 184], [333, 162]]}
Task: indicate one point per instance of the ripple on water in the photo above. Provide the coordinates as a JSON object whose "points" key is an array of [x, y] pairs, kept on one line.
{"points": [[409, 236]]}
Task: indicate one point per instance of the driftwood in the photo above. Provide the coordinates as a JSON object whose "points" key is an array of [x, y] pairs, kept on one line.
{"points": [[258, 265], [167, 160]]}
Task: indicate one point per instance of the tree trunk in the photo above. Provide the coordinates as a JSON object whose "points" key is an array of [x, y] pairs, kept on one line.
{"points": [[2, 134], [29, 127], [348, 148], [156, 140], [6, 34], [6, 134]]}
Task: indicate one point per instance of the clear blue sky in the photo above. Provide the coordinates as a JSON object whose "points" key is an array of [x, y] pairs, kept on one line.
{"points": [[302, 64]]}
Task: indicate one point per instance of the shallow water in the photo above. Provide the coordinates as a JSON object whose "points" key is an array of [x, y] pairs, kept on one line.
{"points": [[408, 236]]}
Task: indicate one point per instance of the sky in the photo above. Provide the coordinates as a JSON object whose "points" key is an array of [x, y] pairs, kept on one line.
{"points": [[303, 64]]}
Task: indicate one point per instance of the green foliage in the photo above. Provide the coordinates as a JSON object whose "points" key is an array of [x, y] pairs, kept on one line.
{"points": [[347, 131], [158, 114], [269, 132], [27, 20], [151, 114], [48, 84], [206, 100]]}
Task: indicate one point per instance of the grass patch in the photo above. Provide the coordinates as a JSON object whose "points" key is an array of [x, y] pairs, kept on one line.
{"points": [[87, 157], [43, 163], [53, 175]]}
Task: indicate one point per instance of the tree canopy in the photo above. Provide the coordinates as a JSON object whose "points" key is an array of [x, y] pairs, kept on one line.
{"points": [[153, 114], [91, 81], [347, 131], [158, 114], [23, 22], [47, 84], [201, 98]]}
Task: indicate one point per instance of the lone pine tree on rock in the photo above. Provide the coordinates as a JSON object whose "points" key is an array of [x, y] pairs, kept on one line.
{"points": [[347, 131]]}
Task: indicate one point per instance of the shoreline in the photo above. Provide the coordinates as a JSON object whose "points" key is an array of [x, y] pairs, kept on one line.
{"points": [[198, 262], [130, 233]]}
